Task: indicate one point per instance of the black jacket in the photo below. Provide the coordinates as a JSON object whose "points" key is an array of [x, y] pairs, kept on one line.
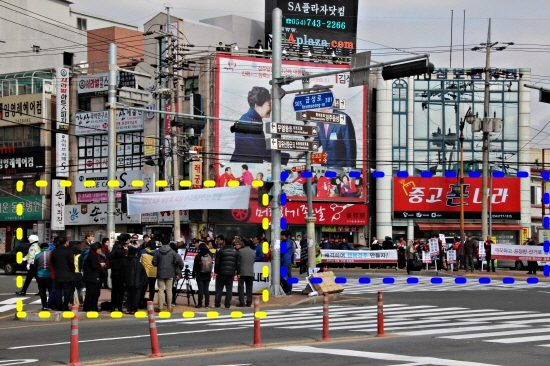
{"points": [[387, 245], [134, 273], [117, 257], [226, 261], [62, 261], [303, 250], [200, 276], [92, 269]]}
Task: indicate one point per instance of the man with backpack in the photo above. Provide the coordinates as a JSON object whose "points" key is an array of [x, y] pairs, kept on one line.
{"points": [[245, 271], [43, 274], [202, 273]]}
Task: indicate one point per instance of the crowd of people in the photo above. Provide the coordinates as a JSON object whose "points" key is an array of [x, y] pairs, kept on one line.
{"points": [[68, 276]]}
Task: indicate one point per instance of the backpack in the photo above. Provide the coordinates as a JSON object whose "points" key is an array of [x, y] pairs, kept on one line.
{"points": [[205, 264], [83, 257]]}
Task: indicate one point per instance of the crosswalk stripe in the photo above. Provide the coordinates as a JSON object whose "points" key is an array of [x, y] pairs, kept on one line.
{"points": [[484, 317], [457, 330], [12, 301], [505, 333], [522, 339], [374, 322]]}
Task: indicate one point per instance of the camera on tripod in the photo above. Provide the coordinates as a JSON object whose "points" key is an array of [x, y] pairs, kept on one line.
{"points": [[186, 273]]}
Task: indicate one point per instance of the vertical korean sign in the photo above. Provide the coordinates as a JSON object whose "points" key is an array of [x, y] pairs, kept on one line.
{"points": [[62, 95], [196, 174], [62, 155], [58, 205]]}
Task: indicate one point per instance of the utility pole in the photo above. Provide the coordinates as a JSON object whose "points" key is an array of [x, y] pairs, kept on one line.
{"points": [[111, 173], [175, 160], [485, 157], [276, 97]]}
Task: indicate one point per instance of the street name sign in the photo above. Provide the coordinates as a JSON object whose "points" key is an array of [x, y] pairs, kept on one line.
{"points": [[332, 118], [304, 102], [292, 145], [290, 129]]}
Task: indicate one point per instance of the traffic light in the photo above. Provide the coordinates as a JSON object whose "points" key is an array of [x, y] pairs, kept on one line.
{"points": [[407, 69], [198, 123], [124, 202], [250, 128], [264, 198]]}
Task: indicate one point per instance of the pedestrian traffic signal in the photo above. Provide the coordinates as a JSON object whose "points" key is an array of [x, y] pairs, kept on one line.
{"points": [[264, 198]]}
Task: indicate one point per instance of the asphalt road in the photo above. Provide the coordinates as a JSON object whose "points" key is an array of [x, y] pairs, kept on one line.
{"points": [[426, 324]]}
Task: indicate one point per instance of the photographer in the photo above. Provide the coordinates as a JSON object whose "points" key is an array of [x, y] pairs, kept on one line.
{"points": [[202, 272]]}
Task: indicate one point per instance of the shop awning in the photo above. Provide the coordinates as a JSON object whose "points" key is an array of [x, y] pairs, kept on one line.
{"points": [[430, 226]]}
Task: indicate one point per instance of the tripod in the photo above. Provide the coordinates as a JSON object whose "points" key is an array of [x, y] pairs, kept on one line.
{"points": [[186, 284]]}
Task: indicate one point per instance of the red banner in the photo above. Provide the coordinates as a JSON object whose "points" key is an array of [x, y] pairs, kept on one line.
{"points": [[295, 213], [435, 198]]}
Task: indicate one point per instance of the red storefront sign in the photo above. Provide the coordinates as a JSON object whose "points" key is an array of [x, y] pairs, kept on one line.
{"points": [[295, 213], [434, 198]]}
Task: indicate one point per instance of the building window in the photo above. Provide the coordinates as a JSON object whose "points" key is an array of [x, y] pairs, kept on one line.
{"points": [[82, 23], [8, 187], [19, 136], [400, 110], [93, 152], [84, 104], [191, 85]]}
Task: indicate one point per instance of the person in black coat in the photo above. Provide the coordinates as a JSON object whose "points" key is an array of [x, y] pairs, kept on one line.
{"points": [[202, 277], [117, 258], [93, 277], [225, 269], [62, 262], [135, 279], [304, 255]]}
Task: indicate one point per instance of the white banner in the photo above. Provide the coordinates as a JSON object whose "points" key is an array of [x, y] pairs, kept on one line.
{"points": [[62, 98], [358, 256], [62, 155], [519, 252], [58, 206], [96, 214], [95, 123], [167, 217], [227, 198]]}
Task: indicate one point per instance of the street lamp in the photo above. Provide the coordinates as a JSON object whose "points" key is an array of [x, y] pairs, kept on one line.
{"points": [[468, 118]]}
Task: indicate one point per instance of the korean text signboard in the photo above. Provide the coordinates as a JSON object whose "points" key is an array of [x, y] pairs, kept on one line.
{"points": [[62, 155], [358, 256], [96, 123], [96, 214], [451, 256], [32, 208], [124, 177], [324, 23], [23, 160], [58, 205], [23, 109], [62, 98], [434, 198]]}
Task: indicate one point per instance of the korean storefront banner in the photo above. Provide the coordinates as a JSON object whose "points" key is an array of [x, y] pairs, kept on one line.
{"points": [[33, 207], [435, 198], [96, 214], [62, 155], [58, 206], [341, 214], [519, 252], [358, 256], [24, 109], [193, 199], [95, 123], [243, 93]]}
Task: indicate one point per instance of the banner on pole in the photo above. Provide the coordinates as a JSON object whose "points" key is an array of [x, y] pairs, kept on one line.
{"points": [[227, 198]]}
